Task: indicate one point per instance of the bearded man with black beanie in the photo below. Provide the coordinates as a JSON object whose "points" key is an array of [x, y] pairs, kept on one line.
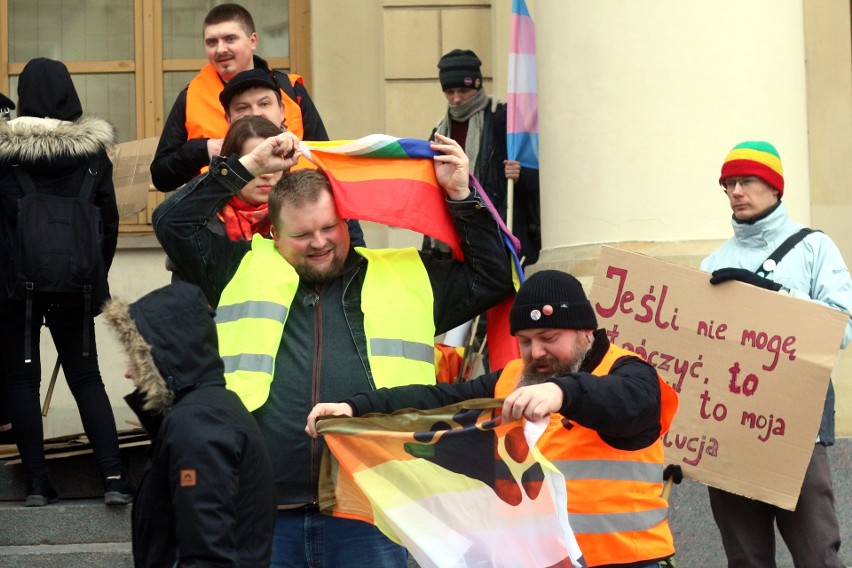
{"points": [[608, 410]]}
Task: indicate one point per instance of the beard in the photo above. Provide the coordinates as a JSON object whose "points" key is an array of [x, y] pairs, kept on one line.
{"points": [[314, 275], [531, 376]]}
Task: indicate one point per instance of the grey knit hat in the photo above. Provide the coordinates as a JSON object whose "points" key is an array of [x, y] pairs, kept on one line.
{"points": [[551, 299]]}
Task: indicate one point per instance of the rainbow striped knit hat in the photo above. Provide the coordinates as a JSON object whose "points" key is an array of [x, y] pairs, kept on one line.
{"points": [[755, 158]]}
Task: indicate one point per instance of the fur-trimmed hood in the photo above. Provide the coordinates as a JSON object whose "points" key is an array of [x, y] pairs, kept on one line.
{"points": [[28, 140], [170, 340]]}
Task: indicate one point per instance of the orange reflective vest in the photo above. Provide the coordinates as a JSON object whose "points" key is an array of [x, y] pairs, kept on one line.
{"points": [[205, 117], [614, 496]]}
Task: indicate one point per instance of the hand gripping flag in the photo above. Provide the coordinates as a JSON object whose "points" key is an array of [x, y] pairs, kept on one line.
{"points": [[454, 485]]}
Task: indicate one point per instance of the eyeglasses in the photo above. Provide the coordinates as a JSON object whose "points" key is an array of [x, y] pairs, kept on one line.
{"points": [[729, 184]]}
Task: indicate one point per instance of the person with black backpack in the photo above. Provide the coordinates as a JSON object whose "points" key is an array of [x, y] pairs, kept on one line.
{"points": [[58, 235]]}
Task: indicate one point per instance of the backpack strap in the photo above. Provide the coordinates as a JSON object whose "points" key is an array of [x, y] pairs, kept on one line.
{"points": [[89, 181], [86, 195], [772, 261], [26, 182]]}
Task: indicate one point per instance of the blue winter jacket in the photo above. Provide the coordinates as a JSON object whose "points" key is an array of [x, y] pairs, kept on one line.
{"points": [[813, 269]]}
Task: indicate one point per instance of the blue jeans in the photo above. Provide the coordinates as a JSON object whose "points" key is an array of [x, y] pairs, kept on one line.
{"points": [[305, 538]]}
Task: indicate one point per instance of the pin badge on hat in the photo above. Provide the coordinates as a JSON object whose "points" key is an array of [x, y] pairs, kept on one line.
{"points": [[547, 309], [535, 315]]}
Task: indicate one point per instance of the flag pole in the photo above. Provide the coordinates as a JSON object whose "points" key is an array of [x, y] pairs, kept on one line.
{"points": [[510, 202]]}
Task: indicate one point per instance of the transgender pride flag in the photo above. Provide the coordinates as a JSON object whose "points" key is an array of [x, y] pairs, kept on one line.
{"points": [[522, 136]]}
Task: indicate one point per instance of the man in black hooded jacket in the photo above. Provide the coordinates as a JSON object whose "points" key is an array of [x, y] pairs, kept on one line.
{"points": [[207, 497]]}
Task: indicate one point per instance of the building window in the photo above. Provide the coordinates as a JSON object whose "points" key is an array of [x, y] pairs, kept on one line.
{"points": [[138, 51]]}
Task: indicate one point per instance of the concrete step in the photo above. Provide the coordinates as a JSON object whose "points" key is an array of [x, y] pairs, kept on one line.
{"points": [[79, 531], [74, 477], [101, 555], [70, 521]]}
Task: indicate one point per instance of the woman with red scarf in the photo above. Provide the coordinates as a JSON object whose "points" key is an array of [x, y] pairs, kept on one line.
{"points": [[246, 213]]}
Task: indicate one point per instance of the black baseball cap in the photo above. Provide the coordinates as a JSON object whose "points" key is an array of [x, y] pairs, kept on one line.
{"points": [[6, 102], [245, 80]]}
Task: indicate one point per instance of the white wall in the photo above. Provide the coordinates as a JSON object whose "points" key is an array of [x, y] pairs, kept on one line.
{"points": [[641, 101]]}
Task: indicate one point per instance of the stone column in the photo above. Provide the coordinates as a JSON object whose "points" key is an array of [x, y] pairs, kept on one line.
{"points": [[639, 103]]}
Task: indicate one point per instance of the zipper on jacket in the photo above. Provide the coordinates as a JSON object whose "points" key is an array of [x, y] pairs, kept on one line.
{"points": [[316, 373]]}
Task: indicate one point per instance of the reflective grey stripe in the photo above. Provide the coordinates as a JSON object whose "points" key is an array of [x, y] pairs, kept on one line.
{"points": [[617, 522], [248, 362], [251, 309], [405, 349], [610, 469]]}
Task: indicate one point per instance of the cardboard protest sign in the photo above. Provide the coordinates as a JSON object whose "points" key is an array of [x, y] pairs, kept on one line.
{"points": [[751, 368], [131, 174]]}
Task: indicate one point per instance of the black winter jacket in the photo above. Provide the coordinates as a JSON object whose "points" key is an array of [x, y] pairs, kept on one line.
{"points": [[57, 155], [207, 497]]}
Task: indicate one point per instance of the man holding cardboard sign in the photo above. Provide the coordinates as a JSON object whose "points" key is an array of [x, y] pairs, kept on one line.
{"points": [[770, 251]]}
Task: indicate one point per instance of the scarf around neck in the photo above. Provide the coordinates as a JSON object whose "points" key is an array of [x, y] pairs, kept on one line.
{"points": [[242, 220], [469, 111]]}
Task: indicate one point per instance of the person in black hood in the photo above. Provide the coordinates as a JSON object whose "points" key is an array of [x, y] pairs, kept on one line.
{"points": [[45, 90], [207, 496], [56, 145]]}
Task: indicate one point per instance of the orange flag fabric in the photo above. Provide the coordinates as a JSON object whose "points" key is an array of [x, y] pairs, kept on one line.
{"points": [[455, 486]]}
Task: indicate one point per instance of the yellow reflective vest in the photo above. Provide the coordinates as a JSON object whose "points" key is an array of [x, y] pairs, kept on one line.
{"points": [[614, 496], [396, 299]]}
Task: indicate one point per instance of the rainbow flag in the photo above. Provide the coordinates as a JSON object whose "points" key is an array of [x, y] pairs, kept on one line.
{"points": [[455, 486], [522, 105], [502, 345], [386, 180], [392, 181]]}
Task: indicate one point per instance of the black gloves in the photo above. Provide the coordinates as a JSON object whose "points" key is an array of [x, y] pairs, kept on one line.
{"points": [[743, 275], [674, 472]]}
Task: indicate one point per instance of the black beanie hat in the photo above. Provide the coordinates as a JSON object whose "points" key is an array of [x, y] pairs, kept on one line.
{"points": [[459, 69], [551, 299]]}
